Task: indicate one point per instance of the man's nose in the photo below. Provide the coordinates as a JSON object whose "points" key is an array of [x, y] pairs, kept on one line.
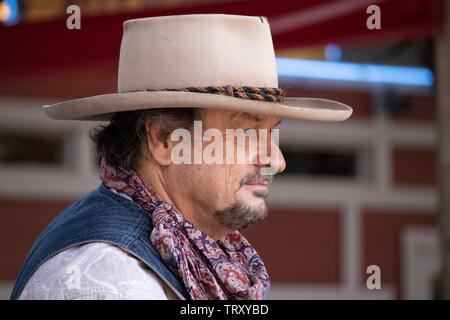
{"points": [[273, 157], [281, 163]]}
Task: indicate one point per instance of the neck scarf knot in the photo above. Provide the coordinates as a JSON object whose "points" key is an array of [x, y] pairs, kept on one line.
{"points": [[228, 268]]}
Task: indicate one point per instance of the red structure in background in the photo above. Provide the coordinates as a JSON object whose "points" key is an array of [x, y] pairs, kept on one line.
{"points": [[50, 46]]}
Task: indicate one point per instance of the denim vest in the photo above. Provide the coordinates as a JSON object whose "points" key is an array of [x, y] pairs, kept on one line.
{"points": [[102, 216]]}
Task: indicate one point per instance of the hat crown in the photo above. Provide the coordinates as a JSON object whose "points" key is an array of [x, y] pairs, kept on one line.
{"points": [[203, 50]]}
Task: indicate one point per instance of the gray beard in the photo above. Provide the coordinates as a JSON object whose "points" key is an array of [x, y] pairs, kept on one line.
{"points": [[240, 215]]}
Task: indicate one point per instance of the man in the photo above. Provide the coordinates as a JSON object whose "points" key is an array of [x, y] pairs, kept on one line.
{"points": [[158, 227]]}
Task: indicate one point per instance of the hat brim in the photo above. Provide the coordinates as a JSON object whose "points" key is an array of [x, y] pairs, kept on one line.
{"points": [[101, 107]]}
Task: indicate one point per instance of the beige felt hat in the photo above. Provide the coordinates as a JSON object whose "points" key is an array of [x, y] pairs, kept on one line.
{"points": [[200, 61]]}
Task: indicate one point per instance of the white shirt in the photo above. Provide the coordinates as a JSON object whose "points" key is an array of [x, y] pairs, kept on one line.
{"points": [[95, 271]]}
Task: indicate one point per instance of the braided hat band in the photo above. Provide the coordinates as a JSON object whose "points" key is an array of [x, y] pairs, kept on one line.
{"points": [[252, 93]]}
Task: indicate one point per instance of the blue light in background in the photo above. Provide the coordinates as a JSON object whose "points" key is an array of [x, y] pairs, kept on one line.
{"points": [[333, 52], [346, 71], [12, 8]]}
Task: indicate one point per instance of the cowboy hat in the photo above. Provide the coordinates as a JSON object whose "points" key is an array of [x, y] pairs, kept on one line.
{"points": [[198, 61]]}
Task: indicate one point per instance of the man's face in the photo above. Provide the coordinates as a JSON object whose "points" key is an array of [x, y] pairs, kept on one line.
{"points": [[231, 195]]}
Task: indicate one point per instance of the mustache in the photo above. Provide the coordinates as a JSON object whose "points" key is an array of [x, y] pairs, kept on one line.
{"points": [[256, 178]]}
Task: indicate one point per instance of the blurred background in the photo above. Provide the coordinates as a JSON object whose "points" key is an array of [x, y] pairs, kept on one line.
{"points": [[364, 192]]}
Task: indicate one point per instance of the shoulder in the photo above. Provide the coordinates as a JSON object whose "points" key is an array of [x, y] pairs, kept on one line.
{"points": [[95, 270]]}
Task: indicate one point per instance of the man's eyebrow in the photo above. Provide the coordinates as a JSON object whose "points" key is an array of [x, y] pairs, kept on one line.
{"points": [[252, 117], [257, 119]]}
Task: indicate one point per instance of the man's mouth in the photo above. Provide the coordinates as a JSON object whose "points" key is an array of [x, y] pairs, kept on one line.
{"points": [[257, 181], [261, 183]]}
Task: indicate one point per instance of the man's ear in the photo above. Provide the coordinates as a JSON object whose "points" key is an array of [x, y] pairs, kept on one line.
{"points": [[159, 144]]}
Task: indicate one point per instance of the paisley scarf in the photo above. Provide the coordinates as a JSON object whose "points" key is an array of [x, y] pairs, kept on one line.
{"points": [[228, 268]]}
